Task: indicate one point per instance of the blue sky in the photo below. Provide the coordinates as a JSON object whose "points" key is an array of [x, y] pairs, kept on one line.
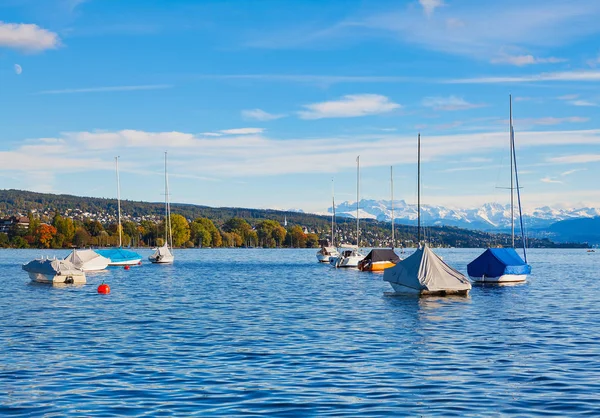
{"points": [[262, 103]]}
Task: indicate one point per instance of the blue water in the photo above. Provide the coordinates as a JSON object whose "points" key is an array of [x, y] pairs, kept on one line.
{"points": [[271, 332]]}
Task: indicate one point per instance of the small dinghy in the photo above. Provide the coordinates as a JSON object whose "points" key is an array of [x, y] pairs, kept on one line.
{"points": [[379, 259], [87, 260], [162, 255], [54, 271]]}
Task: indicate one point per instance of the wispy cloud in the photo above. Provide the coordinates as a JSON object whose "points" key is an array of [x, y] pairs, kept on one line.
{"points": [[550, 180], [575, 75], [521, 60], [569, 172], [582, 103], [107, 89], [449, 103], [349, 106], [549, 120], [323, 80], [260, 115], [27, 37], [429, 6], [575, 159], [242, 131]]}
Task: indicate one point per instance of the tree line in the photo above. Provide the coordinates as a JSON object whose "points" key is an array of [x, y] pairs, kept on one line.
{"points": [[64, 232]]}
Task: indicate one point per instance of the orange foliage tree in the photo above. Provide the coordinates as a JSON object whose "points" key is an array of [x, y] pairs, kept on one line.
{"points": [[44, 234]]}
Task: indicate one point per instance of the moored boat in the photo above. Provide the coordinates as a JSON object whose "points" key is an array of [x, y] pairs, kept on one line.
{"points": [[54, 271], [349, 257], [327, 251], [379, 259], [87, 260], [164, 254]]}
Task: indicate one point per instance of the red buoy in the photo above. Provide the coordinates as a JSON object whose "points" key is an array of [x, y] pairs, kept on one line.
{"points": [[104, 289], [126, 267], [139, 263]]}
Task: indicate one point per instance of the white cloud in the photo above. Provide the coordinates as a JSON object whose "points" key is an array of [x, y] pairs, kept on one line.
{"points": [[107, 89], [582, 103], [545, 121], [242, 131], [576, 75], [575, 159], [520, 60], [260, 115], [429, 6], [568, 97], [27, 37], [569, 172], [18, 69], [349, 106], [550, 180], [449, 103]]}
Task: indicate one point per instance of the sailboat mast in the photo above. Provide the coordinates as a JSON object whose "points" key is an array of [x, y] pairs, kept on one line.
{"points": [[166, 205], [419, 189], [118, 201], [168, 200], [514, 157], [392, 190], [512, 178], [332, 214], [357, 200]]}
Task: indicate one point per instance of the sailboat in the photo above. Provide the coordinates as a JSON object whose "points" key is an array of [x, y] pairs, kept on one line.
{"points": [[351, 256], [164, 255], [328, 250], [502, 265], [380, 259], [424, 272], [120, 256]]}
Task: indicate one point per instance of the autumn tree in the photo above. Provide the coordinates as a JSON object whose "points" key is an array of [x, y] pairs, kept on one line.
{"points": [[296, 237], [270, 233], [242, 228], [312, 240], [44, 234], [180, 229]]}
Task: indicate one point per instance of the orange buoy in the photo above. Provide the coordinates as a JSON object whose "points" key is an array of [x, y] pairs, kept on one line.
{"points": [[104, 289], [126, 267]]}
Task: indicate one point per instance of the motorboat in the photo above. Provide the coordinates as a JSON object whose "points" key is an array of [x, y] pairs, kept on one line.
{"points": [[327, 251], [88, 260], [425, 273], [164, 254], [379, 259], [349, 257], [498, 265], [54, 271]]}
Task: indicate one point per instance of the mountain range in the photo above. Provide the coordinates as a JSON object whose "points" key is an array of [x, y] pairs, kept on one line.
{"points": [[489, 217]]}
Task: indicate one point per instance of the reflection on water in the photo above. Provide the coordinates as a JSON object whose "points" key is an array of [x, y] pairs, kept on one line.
{"points": [[272, 332]]}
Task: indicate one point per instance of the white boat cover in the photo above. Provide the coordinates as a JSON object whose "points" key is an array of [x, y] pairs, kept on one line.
{"points": [[425, 271], [52, 267], [87, 259], [161, 253]]}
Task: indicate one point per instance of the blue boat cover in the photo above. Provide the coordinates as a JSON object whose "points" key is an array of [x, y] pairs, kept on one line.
{"points": [[495, 262], [117, 255]]}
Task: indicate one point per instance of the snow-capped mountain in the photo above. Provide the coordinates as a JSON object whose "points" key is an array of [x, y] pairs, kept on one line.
{"points": [[489, 217]]}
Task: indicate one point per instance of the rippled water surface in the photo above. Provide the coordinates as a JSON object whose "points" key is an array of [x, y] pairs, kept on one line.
{"points": [[271, 332]]}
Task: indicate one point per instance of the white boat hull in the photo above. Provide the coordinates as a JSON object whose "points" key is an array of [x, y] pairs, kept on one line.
{"points": [[162, 260], [57, 279], [347, 262], [505, 278], [324, 258], [134, 262]]}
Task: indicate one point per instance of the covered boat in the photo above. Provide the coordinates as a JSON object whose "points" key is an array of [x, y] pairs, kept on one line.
{"points": [[54, 271], [120, 256], [162, 255], [498, 265], [379, 259], [425, 273], [87, 260]]}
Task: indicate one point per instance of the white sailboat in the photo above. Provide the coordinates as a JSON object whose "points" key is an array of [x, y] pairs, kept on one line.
{"points": [[328, 250], [350, 256], [87, 260], [164, 254], [424, 272], [120, 256], [504, 265]]}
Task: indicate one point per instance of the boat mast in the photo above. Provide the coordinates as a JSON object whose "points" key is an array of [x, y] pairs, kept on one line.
{"points": [[514, 157], [392, 189], [166, 206], [512, 175], [168, 203], [118, 201], [332, 214], [357, 200], [419, 189]]}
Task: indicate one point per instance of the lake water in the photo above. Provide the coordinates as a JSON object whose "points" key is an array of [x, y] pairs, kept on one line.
{"points": [[272, 332]]}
